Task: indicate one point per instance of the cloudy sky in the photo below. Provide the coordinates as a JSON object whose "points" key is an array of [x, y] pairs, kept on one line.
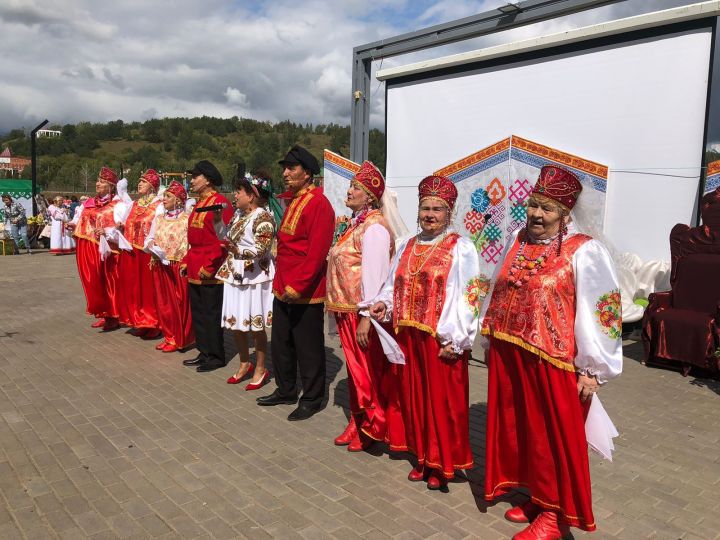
{"points": [[99, 60]]}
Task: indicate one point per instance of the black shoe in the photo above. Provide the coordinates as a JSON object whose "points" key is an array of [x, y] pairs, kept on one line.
{"points": [[303, 412], [205, 367], [199, 361], [276, 398]]}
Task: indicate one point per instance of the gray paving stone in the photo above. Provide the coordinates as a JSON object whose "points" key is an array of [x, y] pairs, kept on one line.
{"points": [[106, 438]]}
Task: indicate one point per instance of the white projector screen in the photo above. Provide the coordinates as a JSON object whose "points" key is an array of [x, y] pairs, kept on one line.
{"points": [[636, 106]]}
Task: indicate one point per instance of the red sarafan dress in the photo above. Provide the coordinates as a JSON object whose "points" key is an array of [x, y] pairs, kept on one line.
{"points": [[543, 329], [137, 301], [167, 241], [431, 292], [358, 266], [98, 273]]}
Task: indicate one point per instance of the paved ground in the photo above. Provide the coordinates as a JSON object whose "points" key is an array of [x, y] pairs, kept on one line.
{"points": [[103, 437]]}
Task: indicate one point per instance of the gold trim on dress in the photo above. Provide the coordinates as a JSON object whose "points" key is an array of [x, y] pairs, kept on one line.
{"points": [[531, 348]]}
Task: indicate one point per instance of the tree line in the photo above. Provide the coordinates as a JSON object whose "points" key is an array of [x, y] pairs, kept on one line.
{"points": [[71, 162]]}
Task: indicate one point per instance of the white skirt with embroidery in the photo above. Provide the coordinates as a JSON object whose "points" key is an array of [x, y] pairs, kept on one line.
{"points": [[247, 308]]}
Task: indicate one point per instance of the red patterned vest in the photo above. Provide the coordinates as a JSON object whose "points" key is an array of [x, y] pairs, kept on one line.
{"points": [[420, 283], [344, 278], [93, 217], [539, 316], [137, 225]]}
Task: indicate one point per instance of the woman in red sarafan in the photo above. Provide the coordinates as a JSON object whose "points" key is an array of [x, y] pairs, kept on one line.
{"points": [[431, 294], [167, 242], [137, 302], [96, 234], [358, 266], [554, 327]]}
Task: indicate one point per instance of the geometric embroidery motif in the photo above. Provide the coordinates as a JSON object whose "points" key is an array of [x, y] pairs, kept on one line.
{"points": [[496, 191], [493, 232], [518, 211], [474, 221], [520, 190], [491, 252]]}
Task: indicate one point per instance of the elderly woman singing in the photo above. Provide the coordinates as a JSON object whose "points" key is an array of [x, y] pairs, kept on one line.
{"points": [[430, 292], [553, 322]]}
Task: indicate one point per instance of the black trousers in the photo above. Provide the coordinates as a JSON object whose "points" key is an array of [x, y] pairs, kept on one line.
{"points": [[206, 310], [298, 342]]}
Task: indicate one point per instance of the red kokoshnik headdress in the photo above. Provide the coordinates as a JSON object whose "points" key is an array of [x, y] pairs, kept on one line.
{"points": [[151, 177], [370, 180], [108, 175], [177, 189], [558, 184], [440, 188]]}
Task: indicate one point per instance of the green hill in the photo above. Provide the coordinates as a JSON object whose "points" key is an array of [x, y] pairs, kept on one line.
{"points": [[71, 162]]}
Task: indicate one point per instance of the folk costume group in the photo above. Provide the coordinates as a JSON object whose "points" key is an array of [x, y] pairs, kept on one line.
{"points": [[407, 312]]}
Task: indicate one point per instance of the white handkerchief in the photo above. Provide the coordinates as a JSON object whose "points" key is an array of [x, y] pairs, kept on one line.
{"points": [[599, 429]]}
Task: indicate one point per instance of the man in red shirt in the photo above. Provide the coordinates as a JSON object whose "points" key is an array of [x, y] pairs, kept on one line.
{"points": [[303, 242], [205, 255]]}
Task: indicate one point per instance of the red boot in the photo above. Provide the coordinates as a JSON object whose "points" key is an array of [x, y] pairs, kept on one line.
{"points": [[545, 527], [524, 513], [348, 435], [98, 324], [360, 443], [417, 474]]}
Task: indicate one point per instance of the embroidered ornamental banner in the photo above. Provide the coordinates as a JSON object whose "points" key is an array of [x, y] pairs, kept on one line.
{"points": [[338, 172], [494, 183], [712, 181]]}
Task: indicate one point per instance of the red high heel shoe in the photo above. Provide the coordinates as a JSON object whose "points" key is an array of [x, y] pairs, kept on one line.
{"points": [[169, 347], [98, 324], [255, 385], [235, 380], [159, 346], [348, 435]]}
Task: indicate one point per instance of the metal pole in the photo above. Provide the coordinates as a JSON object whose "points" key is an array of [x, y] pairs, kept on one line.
{"points": [[360, 107], [33, 162]]}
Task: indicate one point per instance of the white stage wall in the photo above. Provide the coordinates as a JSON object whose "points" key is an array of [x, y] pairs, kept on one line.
{"points": [[637, 106]]}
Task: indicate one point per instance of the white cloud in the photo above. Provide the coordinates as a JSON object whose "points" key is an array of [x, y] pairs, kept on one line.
{"points": [[74, 60], [236, 97]]}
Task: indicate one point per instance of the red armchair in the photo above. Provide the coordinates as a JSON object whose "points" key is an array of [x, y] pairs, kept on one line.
{"points": [[682, 326]]}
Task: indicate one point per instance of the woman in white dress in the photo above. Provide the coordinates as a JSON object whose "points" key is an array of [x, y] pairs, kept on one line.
{"points": [[248, 274], [61, 241]]}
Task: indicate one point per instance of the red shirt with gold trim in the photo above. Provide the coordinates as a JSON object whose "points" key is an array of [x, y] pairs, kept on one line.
{"points": [[303, 241], [206, 253]]}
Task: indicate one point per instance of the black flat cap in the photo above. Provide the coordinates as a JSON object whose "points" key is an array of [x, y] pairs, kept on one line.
{"points": [[208, 170], [299, 156]]}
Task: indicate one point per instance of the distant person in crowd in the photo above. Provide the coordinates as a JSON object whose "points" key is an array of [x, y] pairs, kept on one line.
{"points": [[304, 238], [431, 293], [97, 237], [358, 266], [74, 203], [136, 304], [61, 240], [203, 259], [247, 274], [167, 241], [554, 327], [15, 215]]}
